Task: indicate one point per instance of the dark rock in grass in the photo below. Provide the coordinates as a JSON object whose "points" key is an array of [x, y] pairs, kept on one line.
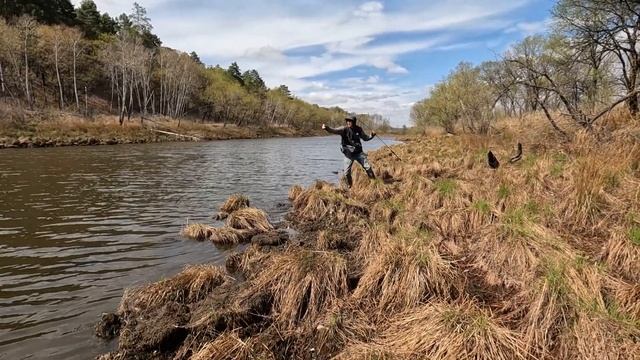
{"points": [[271, 238], [109, 326], [232, 263], [387, 178], [352, 281], [221, 216], [156, 330], [223, 309]]}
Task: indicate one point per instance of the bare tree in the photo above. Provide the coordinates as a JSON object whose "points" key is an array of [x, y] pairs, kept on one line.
{"points": [[606, 29], [52, 41], [77, 47], [551, 69], [2, 86], [179, 76], [120, 57], [27, 27]]}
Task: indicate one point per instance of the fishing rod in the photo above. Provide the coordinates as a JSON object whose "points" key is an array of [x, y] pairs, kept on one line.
{"points": [[385, 144], [388, 147]]}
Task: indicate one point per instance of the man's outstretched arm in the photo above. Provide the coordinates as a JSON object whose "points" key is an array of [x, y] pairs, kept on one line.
{"points": [[366, 137], [336, 131]]}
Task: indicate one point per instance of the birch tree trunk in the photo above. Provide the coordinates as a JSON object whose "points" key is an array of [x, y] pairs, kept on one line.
{"points": [[26, 69], [75, 78], [2, 87], [56, 52]]}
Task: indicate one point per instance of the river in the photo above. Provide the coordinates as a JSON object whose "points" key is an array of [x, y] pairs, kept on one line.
{"points": [[79, 225]]}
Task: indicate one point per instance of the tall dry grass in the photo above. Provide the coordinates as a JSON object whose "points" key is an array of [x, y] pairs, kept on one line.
{"points": [[444, 258], [304, 284], [230, 346], [441, 330], [407, 270], [189, 286]]}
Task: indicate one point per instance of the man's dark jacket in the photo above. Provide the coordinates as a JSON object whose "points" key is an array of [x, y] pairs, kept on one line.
{"points": [[351, 144]]}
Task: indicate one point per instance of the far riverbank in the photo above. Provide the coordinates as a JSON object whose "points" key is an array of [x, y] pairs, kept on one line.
{"points": [[70, 130]]}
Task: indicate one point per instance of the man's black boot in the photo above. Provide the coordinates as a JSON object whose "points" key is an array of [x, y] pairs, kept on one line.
{"points": [[370, 174], [348, 180]]}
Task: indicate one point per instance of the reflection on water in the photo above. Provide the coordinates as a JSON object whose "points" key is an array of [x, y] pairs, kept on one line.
{"points": [[78, 225]]}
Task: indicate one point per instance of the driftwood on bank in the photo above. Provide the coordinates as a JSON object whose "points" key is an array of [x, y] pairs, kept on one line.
{"points": [[176, 134], [166, 132]]}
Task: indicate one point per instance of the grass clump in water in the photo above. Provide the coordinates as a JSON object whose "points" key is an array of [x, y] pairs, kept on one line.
{"points": [[250, 219], [234, 203], [196, 231], [189, 286]]}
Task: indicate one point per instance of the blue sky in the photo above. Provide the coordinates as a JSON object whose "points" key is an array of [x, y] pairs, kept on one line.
{"points": [[365, 56]]}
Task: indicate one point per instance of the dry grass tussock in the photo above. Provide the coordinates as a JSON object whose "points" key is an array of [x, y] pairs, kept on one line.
{"points": [[229, 236], [189, 286], [235, 202], [248, 262], [510, 251], [369, 191], [622, 252], [626, 297], [323, 202], [225, 235], [550, 307], [342, 324], [294, 192], [229, 346], [441, 330], [197, 231], [406, 271], [596, 336], [304, 284], [249, 219], [243, 222]]}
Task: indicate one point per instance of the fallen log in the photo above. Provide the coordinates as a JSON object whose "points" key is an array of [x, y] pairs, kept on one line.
{"points": [[176, 134]]}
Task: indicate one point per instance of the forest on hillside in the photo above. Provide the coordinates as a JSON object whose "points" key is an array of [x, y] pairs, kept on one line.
{"points": [[584, 66], [85, 61]]}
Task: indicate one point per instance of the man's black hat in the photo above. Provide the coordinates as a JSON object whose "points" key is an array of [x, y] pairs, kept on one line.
{"points": [[351, 118]]}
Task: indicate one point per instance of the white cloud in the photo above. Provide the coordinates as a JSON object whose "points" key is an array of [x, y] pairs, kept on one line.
{"points": [[369, 9], [214, 33], [368, 95], [527, 28]]}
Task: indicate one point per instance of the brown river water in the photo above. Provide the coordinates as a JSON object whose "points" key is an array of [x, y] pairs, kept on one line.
{"points": [[79, 225]]}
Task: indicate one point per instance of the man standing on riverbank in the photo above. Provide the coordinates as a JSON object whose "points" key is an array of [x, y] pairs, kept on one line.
{"points": [[351, 147]]}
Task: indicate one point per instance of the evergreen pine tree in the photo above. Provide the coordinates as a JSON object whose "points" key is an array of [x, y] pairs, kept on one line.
{"points": [[89, 19], [234, 72]]}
